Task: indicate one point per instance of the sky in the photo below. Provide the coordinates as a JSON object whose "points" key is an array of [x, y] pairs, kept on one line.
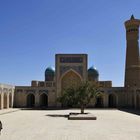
{"points": [[33, 31]]}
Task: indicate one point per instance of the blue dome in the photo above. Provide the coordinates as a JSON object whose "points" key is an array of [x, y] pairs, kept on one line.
{"points": [[49, 74], [49, 70], [93, 74]]}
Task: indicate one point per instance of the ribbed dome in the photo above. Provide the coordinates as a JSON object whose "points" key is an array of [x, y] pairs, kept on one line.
{"points": [[49, 74], [93, 74]]}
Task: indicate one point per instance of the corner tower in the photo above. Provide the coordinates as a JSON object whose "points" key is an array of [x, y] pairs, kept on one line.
{"points": [[132, 65]]}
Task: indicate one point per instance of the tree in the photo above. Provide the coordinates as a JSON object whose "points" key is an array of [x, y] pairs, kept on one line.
{"points": [[80, 95]]}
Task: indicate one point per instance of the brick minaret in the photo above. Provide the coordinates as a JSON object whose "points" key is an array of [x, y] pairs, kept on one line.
{"points": [[132, 67]]}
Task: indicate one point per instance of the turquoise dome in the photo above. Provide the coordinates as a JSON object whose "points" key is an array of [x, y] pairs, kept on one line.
{"points": [[93, 74], [49, 74]]}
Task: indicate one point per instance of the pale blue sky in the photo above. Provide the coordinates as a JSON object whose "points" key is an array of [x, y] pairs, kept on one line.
{"points": [[33, 31]]}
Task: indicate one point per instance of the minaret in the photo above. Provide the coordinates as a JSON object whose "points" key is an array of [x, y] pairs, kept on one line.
{"points": [[132, 66]]}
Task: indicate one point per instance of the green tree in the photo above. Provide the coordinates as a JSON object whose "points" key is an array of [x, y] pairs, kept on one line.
{"points": [[80, 95]]}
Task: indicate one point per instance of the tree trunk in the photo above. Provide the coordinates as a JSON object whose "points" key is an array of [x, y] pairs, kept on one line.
{"points": [[82, 109]]}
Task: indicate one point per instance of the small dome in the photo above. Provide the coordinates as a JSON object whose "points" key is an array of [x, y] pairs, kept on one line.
{"points": [[93, 74], [49, 70], [49, 74]]}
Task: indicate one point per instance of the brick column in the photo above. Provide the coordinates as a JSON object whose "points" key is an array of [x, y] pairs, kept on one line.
{"points": [[105, 100], [37, 99], [7, 100], [1, 101]]}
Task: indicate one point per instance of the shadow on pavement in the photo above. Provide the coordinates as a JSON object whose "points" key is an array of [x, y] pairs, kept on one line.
{"points": [[43, 108], [132, 111], [57, 115]]}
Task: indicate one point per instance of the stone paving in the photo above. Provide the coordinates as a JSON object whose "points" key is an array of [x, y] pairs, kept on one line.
{"points": [[53, 125]]}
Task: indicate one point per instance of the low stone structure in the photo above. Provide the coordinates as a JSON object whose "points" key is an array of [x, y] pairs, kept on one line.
{"points": [[79, 116]]}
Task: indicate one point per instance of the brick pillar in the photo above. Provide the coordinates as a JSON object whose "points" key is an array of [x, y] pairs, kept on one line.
{"points": [[7, 100], [1, 101], [37, 100], [105, 100]]}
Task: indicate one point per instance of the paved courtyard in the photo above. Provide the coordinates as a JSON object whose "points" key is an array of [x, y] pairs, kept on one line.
{"points": [[53, 125]]}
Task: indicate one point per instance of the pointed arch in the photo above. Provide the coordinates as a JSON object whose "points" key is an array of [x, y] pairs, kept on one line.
{"points": [[70, 78], [99, 102], [43, 100], [5, 105], [10, 100], [30, 100], [72, 71], [112, 100]]}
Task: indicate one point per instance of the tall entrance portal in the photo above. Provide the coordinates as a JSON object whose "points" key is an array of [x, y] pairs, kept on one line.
{"points": [[70, 79]]}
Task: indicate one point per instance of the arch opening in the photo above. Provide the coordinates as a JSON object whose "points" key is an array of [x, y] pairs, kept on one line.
{"points": [[43, 100], [10, 100], [99, 102], [112, 101], [30, 100], [5, 101]]}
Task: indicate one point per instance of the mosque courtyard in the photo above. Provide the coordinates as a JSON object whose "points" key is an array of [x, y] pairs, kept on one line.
{"points": [[54, 125]]}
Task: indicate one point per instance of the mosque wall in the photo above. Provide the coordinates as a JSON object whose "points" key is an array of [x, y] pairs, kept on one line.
{"points": [[34, 97]]}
